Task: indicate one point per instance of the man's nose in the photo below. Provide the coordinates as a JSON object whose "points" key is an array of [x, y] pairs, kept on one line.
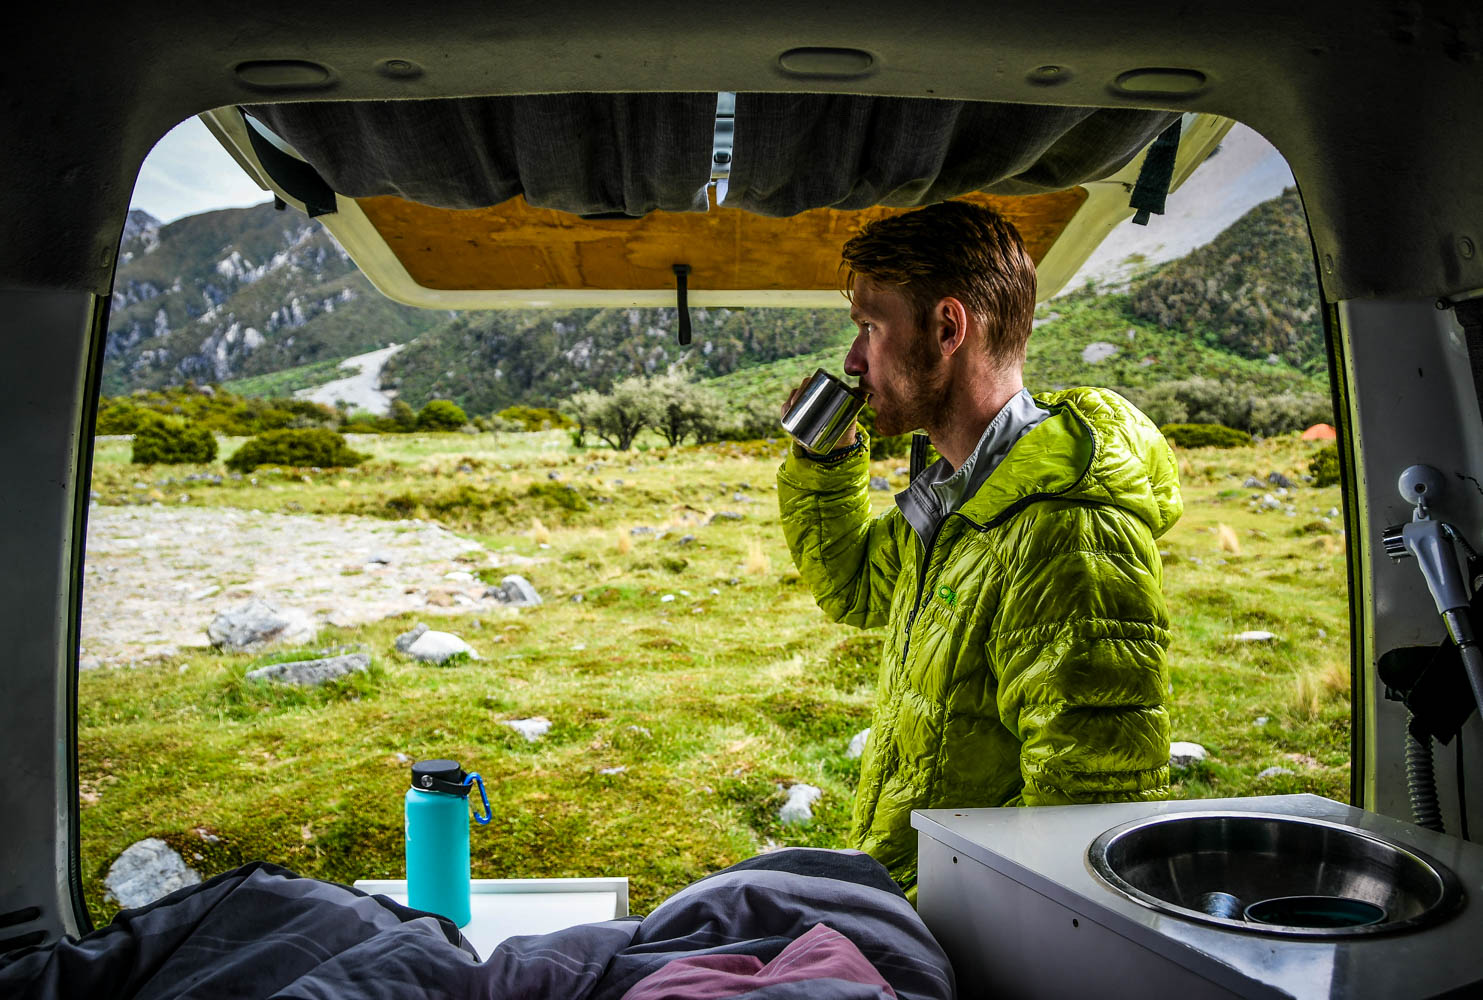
{"points": [[854, 362]]}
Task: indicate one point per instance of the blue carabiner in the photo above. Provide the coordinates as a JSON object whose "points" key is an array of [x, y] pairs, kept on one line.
{"points": [[488, 815]]}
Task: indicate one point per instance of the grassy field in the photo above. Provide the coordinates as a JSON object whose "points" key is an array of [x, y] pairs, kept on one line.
{"points": [[690, 658]]}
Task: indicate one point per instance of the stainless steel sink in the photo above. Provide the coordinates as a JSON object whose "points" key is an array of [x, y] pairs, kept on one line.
{"points": [[1271, 874]]}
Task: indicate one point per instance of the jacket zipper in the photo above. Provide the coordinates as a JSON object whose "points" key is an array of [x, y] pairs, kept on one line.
{"points": [[922, 583]]}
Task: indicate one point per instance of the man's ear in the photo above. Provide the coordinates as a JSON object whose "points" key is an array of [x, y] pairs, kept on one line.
{"points": [[952, 325]]}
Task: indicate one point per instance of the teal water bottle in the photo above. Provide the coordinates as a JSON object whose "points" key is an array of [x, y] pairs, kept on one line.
{"points": [[438, 838]]}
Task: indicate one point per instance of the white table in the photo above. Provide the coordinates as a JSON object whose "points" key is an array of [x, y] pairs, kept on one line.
{"points": [[505, 907]]}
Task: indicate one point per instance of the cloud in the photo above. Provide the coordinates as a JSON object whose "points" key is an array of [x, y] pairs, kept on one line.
{"points": [[188, 172]]}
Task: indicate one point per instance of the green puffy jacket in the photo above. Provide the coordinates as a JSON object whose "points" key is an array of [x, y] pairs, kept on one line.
{"points": [[1025, 662]]}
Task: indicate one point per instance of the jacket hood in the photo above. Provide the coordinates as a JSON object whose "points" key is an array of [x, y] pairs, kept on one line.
{"points": [[1095, 446]]}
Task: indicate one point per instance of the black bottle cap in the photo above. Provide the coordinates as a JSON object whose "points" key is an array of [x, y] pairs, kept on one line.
{"points": [[439, 776]]}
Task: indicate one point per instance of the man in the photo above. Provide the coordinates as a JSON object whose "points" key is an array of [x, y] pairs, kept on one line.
{"points": [[1025, 659]]}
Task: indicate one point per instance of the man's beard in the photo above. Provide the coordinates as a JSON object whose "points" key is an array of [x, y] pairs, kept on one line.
{"points": [[919, 399]]}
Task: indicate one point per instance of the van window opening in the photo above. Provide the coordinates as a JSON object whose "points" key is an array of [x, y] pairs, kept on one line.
{"points": [[615, 636]]}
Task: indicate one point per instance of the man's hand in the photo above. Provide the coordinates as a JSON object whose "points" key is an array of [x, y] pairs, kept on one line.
{"points": [[847, 439]]}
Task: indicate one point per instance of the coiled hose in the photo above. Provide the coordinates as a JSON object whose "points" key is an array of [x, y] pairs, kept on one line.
{"points": [[1421, 783]]}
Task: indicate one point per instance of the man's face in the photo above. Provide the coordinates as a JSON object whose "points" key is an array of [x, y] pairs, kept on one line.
{"points": [[898, 362]]}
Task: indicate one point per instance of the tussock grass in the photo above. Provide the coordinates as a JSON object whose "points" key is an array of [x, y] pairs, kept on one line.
{"points": [[714, 701]]}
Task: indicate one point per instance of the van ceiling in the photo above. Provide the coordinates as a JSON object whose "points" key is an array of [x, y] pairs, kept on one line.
{"points": [[1377, 106]]}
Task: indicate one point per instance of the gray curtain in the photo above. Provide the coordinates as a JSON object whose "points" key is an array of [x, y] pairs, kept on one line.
{"points": [[589, 154], [631, 154]]}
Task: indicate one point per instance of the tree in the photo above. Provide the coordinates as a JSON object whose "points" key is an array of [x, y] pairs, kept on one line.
{"points": [[441, 415], [402, 415], [582, 409], [617, 417], [678, 406]]}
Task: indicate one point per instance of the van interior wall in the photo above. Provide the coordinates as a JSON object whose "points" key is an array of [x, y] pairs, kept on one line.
{"points": [[46, 339], [1415, 404]]}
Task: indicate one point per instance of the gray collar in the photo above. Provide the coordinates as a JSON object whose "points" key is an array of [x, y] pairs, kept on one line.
{"points": [[940, 489]]}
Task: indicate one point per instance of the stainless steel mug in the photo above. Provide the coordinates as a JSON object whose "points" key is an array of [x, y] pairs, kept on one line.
{"points": [[822, 413]]}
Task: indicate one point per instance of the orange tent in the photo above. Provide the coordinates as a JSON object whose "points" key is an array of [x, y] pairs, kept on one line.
{"points": [[1319, 432]]}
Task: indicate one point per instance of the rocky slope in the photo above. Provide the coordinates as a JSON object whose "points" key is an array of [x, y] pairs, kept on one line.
{"points": [[239, 292]]}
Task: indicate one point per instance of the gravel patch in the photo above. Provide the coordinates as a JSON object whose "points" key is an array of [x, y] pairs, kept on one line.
{"points": [[155, 577]]}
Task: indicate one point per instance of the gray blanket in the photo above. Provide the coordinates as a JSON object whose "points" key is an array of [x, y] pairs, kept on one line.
{"points": [[262, 931]]}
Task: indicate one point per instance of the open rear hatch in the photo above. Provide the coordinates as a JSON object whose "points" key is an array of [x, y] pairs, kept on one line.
{"points": [[570, 200]]}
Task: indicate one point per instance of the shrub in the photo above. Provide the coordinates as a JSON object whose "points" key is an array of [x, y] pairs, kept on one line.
{"points": [[300, 447], [441, 415], [119, 416], [218, 411], [1205, 435], [532, 418], [163, 442], [1288, 411], [361, 422], [754, 420], [403, 417], [1324, 465]]}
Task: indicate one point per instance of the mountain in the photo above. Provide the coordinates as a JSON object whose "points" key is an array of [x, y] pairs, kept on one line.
{"points": [[239, 292]]}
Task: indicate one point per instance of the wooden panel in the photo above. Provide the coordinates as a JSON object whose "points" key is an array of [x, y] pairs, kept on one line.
{"points": [[514, 246]]}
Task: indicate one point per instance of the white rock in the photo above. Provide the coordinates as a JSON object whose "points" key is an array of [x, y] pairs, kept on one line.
{"points": [[515, 591], [458, 574], [1183, 754], [1272, 772], [258, 623], [433, 646], [145, 871], [312, 673], [405, 640], [857, 744], [1254, 635], [613, 770], [666, 598], [532, 729], [1098, 350], [204, 593], [800, 798]]}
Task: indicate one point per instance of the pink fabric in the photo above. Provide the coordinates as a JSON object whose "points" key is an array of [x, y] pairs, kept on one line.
{"points": [[822, 953]]}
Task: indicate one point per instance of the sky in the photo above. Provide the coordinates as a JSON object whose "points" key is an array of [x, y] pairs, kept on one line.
{"points": [[188, 172]]}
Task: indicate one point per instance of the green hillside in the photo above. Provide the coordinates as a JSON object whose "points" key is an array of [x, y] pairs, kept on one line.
{"points": [[487, 361], [288, 381], [1251, 290]]}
